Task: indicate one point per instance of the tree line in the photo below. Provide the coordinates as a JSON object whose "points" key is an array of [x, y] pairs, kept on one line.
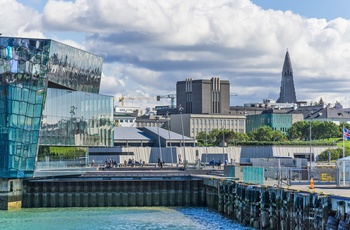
{"points": [[322, 133]]}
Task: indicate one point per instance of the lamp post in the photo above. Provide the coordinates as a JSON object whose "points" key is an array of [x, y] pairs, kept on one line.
{"points": [[223, 142], [159, 145], [171, 149], [206, 148], [310, 148], [183, 139], [343, 147]]}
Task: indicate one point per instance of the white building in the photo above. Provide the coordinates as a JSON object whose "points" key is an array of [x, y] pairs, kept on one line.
{"points": [[195, 123], [126, 116]]}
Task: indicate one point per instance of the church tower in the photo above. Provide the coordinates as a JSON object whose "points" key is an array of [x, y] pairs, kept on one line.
{"points": [[287, 93]]}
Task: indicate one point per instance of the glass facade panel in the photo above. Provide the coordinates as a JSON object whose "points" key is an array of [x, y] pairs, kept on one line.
{"points": [[74, 69], [30, 69], [75, 124], [22, 77]]}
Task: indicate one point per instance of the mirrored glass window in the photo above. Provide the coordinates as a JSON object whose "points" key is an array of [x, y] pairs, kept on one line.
{"points": [[28, 67], [71, 122]]}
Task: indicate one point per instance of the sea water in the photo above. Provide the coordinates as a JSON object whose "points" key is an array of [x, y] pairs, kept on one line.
{"points": [[115, 218]]}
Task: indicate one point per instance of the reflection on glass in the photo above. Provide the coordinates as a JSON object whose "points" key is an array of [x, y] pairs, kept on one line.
{"points": [[73, 123], [29, 68], [73, 68]]}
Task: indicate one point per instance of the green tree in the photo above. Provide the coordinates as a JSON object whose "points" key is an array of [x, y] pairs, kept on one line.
{"points": [[278, 136], [215, 137], [263, 133], [335, 154], [202, 138], [295, 132], [266, 133], [324, 130], [319, 130], [223, 136], [238, 137]]}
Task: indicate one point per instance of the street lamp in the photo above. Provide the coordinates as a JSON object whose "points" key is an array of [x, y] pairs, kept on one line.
{"points": [[345, 131], [206, 147], [183, 139], [223, 142], [310, 147], [171, 149], [159, 145]]}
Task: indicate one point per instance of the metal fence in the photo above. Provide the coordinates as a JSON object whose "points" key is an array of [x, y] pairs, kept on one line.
{"points": [[281, 175], [292, 175]]}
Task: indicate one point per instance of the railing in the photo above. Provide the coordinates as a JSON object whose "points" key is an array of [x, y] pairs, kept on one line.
{"points": [[293, 176], [40, 165], [281, 175]]}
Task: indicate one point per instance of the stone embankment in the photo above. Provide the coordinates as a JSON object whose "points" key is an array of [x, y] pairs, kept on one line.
{"points": [[269, 207]]}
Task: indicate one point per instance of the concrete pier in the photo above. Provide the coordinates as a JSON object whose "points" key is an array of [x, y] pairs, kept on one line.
{"points": [[106, 192], [11, 191]]}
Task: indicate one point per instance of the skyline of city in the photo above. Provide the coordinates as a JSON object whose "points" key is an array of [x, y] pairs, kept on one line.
{"points": [[147, 48]]}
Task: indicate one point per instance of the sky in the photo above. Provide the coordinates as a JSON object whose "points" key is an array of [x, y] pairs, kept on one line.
{"points": [[148, 46]]}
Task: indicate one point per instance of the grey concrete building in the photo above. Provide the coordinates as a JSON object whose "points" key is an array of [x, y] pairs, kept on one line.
{"points": [[203, 96], [287, 92]]}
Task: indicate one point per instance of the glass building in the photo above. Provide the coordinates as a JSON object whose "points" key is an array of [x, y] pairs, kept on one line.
{"points": [[49, 97], [276, 121]]}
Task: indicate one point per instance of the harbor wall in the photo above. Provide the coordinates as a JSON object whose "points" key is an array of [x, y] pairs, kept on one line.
{"points": [[260, 207], [109, 193], [269, 207]]}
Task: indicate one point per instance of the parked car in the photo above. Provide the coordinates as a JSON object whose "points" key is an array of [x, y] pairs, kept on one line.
{"points": [[213, 162]]}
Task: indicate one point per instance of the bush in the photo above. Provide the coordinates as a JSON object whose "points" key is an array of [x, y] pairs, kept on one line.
{"points": [[335, 154]]}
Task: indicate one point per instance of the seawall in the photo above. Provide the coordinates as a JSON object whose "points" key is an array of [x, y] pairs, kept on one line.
{"points": [[270, 207], [261, 207], [109, 192]]}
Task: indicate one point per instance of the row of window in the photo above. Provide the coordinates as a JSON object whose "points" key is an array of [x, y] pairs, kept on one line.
{"points": [[269, 120], [221, 122], [282, 129], [197, 130], [131, 120]]}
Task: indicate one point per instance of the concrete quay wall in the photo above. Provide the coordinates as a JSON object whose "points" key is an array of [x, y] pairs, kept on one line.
{"points": [[107, 193], [260, 207]]}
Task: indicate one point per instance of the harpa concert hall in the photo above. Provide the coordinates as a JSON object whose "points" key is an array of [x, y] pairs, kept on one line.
{"points": [[49, 96]]}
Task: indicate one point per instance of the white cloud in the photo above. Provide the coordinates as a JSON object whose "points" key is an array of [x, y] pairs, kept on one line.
{"points": [[19, 20], [150, 45]]}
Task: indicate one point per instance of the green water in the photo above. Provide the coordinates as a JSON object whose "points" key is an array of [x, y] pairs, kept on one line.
{"points": [[115, 218]]}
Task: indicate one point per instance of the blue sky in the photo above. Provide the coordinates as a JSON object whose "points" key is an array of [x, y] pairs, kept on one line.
{"points": [[148, 46], [328, 9]]}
